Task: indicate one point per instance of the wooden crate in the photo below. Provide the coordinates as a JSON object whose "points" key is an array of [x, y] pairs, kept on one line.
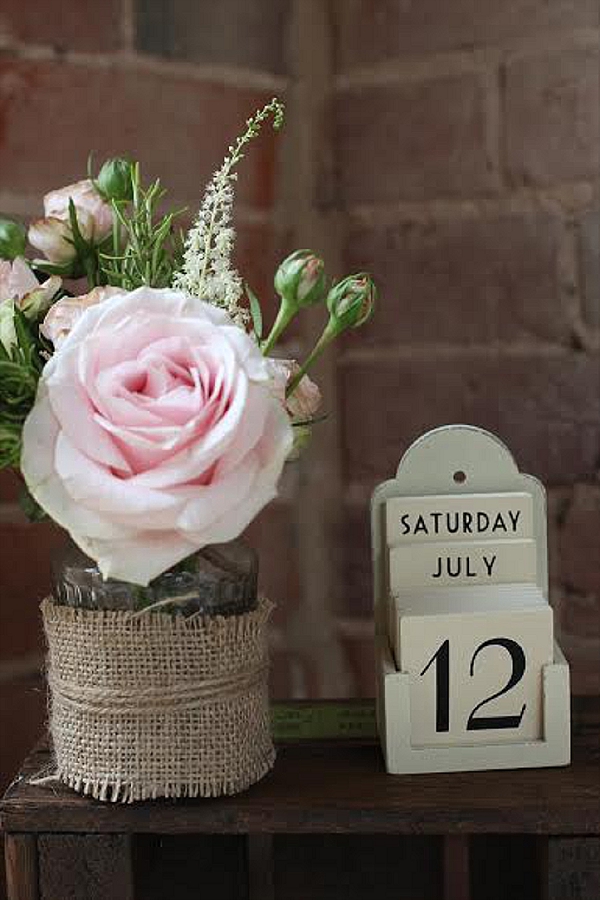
{"points": [[327, 822]]}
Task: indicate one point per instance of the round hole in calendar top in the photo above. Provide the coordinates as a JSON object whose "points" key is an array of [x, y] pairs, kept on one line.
{"points": [[459, 476]]}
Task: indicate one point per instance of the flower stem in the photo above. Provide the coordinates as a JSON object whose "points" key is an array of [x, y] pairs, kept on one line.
{"points": [[330, 332], [284, 317]]}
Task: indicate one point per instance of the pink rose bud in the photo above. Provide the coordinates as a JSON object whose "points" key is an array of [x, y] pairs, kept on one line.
{"points": [[52, 234], [19, 287], [64, 314], [300, 279], [351, 302], [97, 215], [54, 238], [304, 401]]}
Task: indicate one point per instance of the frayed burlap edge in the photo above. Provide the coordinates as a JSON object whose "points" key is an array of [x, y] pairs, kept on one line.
{"points": [[148, 706]]}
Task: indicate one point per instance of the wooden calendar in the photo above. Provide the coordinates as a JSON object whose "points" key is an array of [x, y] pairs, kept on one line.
{"points": [[470, 675]]}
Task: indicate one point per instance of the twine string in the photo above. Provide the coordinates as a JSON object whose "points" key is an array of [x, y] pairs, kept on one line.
{"points": [[155, 698]]}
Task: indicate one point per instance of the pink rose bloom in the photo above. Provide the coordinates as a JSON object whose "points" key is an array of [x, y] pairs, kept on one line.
{"points": [[305, 400], [52, 234], [63, 315], [19, 287], [154, 432], [16, 279]]}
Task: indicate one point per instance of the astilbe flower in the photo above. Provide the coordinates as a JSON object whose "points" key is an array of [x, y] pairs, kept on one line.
{"points": [[208, 272]]}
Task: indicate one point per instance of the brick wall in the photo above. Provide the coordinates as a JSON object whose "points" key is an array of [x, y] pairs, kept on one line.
{"points": [[468, 146], [452, 149]]}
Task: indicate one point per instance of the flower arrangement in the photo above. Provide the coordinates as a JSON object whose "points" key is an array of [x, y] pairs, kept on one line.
{"points": [[146, 412]]}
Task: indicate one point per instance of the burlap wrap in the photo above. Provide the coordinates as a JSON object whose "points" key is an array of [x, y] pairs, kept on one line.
{"points": [[151, 705]]}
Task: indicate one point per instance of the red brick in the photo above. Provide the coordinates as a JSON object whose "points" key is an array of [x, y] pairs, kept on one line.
{"points": [[589, 250], [84, 25], [259, 250], [580, 615], [583, 654], [413, 141], [559, 500], [22, 714], [203, 32], [579, 541], [360, 654], [549, 414], [273, 536], [356, 598], [281, 675], [463, 280], [552, 109], [546, 408], [178, 127], [369, 32], [25, 555], [388, 405], [10, 486]]}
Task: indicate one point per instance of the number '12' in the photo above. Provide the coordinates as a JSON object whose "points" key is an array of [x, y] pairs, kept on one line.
{"points": [[441, 660]]}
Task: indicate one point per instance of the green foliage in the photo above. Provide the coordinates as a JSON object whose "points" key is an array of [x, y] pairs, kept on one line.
{"points": [[153, 247], [12, 239], [19, 374]]}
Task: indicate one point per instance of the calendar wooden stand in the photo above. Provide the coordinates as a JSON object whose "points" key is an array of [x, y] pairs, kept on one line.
{"points": [[458, 498]]}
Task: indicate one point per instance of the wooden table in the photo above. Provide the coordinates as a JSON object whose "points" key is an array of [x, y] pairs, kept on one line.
{"points": [[327, 822]]}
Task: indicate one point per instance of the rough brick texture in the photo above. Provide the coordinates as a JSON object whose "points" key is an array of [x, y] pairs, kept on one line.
{"points": [[590, 266], [464, 280], [547, 410], [414, 141], [25, 557], [369, 32], [553, 117], [251, 34], [115, 110], [84, 25]]}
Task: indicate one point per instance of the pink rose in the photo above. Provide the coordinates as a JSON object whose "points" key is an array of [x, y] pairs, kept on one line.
{"points": [[52, 234], [154, 432], [63, 315], [304, 402], [16, 279], [19, 287]]}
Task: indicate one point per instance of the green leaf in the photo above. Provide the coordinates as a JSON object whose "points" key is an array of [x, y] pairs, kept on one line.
{"points": [[31, 507], [80, 244], [25, 338], [255, 312]]}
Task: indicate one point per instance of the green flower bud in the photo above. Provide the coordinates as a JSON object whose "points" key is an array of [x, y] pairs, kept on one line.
{"points": [[351, 302], [114, 179], [12, 239], [300, 279]]}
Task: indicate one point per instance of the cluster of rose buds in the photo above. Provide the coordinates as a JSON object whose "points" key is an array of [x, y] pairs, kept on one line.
{"points": [[77, 220], [300, 282]]}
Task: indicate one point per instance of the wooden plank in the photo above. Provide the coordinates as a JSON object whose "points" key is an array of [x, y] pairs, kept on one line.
{"points": [[21, 861], [186, 867], [341, 786], [572, 869], [357, 866], [504, 867], [457, 882], [85, 867], [260, 867]]}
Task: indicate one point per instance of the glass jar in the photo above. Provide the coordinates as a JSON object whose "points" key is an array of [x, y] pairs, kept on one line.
{"points": [[220, 579]]}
